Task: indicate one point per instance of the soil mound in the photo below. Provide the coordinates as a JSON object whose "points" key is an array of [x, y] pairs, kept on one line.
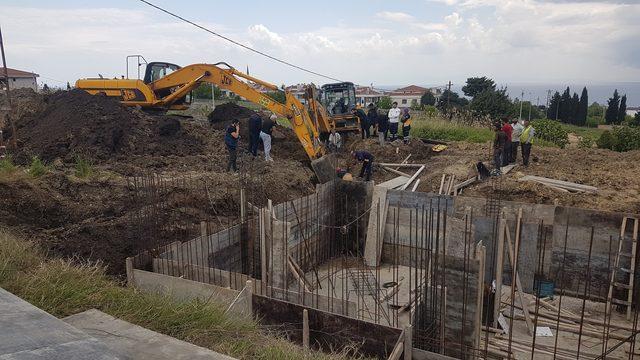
{"points": [[223, 114], [74, 123]]}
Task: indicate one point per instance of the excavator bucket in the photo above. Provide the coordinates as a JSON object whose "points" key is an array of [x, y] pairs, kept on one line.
{"points": [[325, 168]]}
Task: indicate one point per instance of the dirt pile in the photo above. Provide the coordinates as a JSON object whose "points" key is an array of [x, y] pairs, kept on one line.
{"points": [[74, 123]]}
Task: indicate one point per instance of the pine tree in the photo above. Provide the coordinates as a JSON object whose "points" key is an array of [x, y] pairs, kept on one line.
{"points": [[553, 111], [583, 108], [611, 116], [575, 103], [622, 111], [565, 106]]}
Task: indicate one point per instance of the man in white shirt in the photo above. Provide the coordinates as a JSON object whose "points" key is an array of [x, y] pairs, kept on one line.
{"points": [[394, 119], [515, 139]]}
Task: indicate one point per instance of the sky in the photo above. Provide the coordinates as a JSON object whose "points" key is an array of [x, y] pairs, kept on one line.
{"points": [[425, 42]]}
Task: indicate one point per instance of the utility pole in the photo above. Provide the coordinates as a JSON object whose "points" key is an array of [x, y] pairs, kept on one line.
{"points": [[557, 110], [6, 80], [448, 99], [213, 97], [521, 101]]}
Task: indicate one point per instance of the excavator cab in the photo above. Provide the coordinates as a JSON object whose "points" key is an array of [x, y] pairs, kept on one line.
{"points": [[339, 99], [155, 71]]}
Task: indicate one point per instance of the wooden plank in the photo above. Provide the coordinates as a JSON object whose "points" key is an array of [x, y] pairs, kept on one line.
{"points": [[559, 183], [514, 262], [399, 165], [395, 171], [404, 187], [480, 255], [499, 265], [464, 184], [397, 350], [375, 227], [506, 169], [404, 161], [415, 185], [444, 177], [634, 245], [305, 329], [395, 182]]}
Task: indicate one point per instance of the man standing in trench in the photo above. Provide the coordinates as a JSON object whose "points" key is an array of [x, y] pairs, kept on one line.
{"points": [[231, 141], [255, 125], [366, 159], [265, 135]]}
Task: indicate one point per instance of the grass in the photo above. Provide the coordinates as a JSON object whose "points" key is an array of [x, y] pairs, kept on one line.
{"points": [[7, 166], [37, 168], [441, 129], [84, 167], [584, 131], [65, 287]]}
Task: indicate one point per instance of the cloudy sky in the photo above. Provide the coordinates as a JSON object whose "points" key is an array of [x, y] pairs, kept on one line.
{"points": [[424, 42]]}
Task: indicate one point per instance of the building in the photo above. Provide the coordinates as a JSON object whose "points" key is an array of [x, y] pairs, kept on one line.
{"points": [[297, 90], [366, 95], [411, 94], [631, 111], [20, 79]]}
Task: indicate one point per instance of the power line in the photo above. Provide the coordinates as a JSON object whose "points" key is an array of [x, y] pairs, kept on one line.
{"points": [[240, 44]]}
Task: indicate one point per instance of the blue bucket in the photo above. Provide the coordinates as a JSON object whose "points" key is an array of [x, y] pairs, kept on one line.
{"points": [[546, 288]]}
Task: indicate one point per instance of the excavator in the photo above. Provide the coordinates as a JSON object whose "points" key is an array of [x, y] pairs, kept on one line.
{"points": [[167, 86]]}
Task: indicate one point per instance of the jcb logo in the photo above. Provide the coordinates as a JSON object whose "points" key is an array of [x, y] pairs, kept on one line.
{"points": [[226, 80], [264, 102], [128, 94]]}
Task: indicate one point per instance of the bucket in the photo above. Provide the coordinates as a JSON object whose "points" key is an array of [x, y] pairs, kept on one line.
{"points": [[545, 288]]}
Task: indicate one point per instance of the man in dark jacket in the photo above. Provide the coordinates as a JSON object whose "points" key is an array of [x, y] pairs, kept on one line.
{"points": [[366, 159], [231, 137], [364, 123], [255, 125], [499, 143]]}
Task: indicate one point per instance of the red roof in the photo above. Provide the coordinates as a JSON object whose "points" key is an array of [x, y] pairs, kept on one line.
{"points": [[410, 90], [18, 73], [367, 91]]}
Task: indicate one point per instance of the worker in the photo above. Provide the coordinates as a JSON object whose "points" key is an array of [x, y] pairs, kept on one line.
{"points": [[498, 147], [372, 117], [406, 125], [364, 122], [265, 135], [367, 163], [255, 125], [394, 119], [526, 139], [506, 155], [383, 128], [231, 140], [515, 139], [335, 140]]}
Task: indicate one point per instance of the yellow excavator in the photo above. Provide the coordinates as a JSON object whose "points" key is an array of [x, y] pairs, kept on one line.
{"points": [[167, 86]]}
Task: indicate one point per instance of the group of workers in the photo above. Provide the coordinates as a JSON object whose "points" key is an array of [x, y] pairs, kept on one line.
{"points": [[384, 124], [509, 136], [259, 130]]}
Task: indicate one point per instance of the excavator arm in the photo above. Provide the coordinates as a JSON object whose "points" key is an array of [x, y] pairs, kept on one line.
{"points": [[183, 80]]}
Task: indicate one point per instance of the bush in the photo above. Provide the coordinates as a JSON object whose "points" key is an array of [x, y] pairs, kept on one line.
{"points": [[552, 131], [84, 168], [37, 167], [7, 166], [626, 138], [586, 142], [385, 102], [593, 122], [606, 140]]}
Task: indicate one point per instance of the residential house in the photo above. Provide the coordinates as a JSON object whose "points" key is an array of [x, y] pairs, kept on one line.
{"points": [[19, 79], [297, 90], [631, 111], [366, 95], [411, 95]]}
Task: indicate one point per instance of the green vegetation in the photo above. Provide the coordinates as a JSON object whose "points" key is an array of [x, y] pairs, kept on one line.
{"points": [[84, 167], [586, 142], [62, 288], [622, 138], [440, 129], [7, 166], [384, 102], [37, 167], [552, 131], [428, 99]]}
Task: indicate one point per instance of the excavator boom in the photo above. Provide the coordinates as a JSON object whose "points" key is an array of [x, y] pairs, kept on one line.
{"points": [[169, 91]]}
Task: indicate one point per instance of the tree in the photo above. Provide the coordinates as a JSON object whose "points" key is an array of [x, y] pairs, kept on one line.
{"points": [[477, 85], [68, 86], [492, 103], [451, 100], [575, 104], [565, 106], [622, 111], [278, 96], [583, 108], [613, 105], [553, 112], [384, 102], [428, 99], [203, 91]]}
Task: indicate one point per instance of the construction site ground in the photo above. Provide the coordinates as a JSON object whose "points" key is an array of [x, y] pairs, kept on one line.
{"points": [[90, 216]]}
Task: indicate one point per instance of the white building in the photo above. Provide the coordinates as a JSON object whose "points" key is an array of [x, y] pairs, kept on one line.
{"points": [[297, 90], [411, 95], [19, 79], [631, 111], [366, 95]]}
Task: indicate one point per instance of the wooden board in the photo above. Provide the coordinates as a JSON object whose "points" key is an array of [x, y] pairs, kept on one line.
{"points": [[559, 183], [375, 228], [395, 182]]}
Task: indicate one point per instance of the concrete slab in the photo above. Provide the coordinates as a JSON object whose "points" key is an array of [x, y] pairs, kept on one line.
{"points": [[394, 183], [376, 225], [131, 341], [27, 332]]}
